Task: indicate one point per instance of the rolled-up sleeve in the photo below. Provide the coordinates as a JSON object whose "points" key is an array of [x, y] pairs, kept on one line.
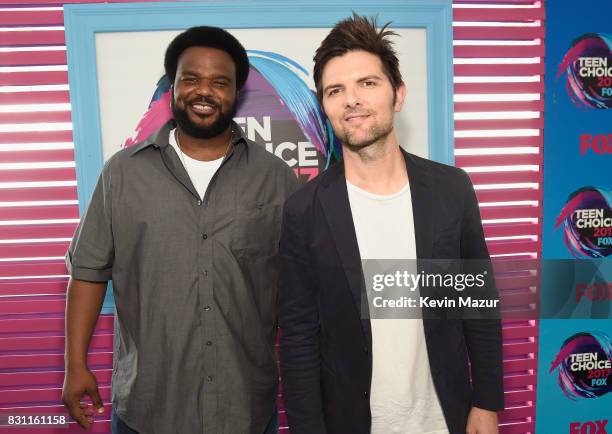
{"points": [[91, 253]]}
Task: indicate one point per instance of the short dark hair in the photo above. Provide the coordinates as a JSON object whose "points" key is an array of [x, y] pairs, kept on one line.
{"points": [[358, 33], [211, 37]]}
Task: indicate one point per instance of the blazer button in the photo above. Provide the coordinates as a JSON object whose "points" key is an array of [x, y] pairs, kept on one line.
{"points": [[365, 350], [366, 394]]}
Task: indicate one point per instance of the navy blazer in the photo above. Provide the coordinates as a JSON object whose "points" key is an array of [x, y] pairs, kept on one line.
{"points": [[325, 345]]}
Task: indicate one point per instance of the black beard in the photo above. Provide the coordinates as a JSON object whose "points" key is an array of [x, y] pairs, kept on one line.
{"points": [[220, 125]]}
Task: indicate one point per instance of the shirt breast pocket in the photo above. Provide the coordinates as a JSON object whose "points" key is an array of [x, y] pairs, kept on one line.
{"points": [[257, 228]]}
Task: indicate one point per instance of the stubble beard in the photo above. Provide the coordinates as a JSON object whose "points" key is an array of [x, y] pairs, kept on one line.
{"points": [[370, 146]]}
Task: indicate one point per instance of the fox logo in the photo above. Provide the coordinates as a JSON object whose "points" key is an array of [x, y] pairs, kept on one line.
{"points": [[591, 427]]}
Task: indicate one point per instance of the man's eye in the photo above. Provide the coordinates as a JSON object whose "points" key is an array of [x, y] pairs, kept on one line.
{"points": [[220, 83], [369, 83], [189, 80], [333, 92]]}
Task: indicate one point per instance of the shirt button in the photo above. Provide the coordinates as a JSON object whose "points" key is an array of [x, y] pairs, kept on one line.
{"points": [[199, 202], [204, 236], [209, 378], [206, 308], [209, 343]]}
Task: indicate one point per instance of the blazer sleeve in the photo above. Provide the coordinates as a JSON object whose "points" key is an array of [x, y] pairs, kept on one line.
{"points": [[299, 329], [483, 336]]}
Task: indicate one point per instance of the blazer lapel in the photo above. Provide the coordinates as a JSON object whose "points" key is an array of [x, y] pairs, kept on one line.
{"points": [[337, 210], [421, 190]]}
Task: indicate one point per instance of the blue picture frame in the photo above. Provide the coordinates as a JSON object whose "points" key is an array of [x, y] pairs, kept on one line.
{"points": [[83, 21]]}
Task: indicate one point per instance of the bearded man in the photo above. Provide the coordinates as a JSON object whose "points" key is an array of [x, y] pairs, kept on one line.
{"points": [[186, 225], [344, 371]]}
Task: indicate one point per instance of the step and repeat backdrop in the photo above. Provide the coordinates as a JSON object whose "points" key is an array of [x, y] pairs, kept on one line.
{"points": [[575, 353]]}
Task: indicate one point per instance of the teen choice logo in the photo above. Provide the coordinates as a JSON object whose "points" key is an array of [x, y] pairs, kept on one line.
{"points": [[587, 223], [584, 365], [588, 65]]}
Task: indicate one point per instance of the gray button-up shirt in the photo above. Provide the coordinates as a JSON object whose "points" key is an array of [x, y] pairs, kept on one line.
{"points": [[194, 284]]}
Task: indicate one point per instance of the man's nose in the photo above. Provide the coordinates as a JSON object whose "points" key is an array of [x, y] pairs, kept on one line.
{"points": [[204, 87], [351, 97]]}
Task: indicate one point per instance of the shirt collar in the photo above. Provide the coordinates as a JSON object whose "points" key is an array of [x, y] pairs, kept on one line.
{"points": [[161, 138]]}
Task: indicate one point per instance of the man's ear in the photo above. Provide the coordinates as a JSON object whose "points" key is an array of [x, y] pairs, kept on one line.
{"points": [[400, 96]]}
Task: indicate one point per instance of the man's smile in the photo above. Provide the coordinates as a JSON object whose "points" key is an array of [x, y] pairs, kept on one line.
{"points": [[356, 118], [203, 108]]}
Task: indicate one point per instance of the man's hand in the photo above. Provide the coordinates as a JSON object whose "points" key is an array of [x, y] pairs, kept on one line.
{"points": [[83, 303], [79, 382], [482, 422]]}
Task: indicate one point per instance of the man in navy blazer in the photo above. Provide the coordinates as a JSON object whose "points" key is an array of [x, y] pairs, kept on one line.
{"points": [[342, 374]]}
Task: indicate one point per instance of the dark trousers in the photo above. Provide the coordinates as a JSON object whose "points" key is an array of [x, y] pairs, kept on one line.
{"points": [[120, 427]]}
